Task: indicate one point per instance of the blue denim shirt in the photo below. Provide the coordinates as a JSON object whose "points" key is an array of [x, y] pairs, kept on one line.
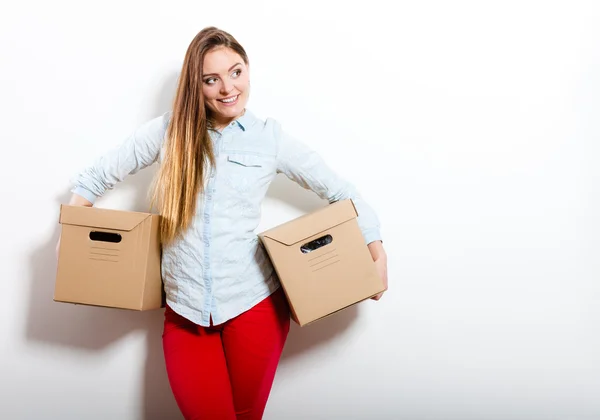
{"points": [[218, 268]]}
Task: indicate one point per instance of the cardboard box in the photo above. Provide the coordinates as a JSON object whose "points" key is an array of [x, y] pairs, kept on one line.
{"points": [[109, 258], [322, 262]]}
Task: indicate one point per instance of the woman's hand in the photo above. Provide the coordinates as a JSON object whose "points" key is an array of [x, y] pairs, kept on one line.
{"points": [[380, 259], [76, 200]]}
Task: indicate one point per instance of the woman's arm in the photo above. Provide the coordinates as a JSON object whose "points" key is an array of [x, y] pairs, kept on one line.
{"points": [[306, 167], [76, 200], [139, 150], [380, 259]]}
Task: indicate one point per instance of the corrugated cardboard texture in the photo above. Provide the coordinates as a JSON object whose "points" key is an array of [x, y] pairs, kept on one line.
{"points": [[109, 258], [331, 277]]}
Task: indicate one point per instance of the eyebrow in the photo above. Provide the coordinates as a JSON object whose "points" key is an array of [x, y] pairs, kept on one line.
{"points": [[215, 74]]}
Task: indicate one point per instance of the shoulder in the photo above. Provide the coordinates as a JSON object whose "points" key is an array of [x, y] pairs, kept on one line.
{"points": [[163, 121], [265, 126], [156, 126], [166, 118]]}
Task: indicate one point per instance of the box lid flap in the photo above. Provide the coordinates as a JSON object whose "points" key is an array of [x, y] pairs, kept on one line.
{"points": [[311, 224], [101, 218]]}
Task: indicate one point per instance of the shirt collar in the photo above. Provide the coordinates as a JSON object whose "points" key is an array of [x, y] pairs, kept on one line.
{"points": [[246, 120]]}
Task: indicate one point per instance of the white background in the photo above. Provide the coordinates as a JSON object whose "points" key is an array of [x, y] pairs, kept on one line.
{"points": [[470, 126]]}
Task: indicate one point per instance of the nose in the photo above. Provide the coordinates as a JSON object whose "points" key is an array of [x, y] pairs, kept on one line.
{"points": [[226, 87]]}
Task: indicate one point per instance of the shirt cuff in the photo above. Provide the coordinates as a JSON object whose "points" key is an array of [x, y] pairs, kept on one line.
{"points": [[88, 195], [372, 235]]}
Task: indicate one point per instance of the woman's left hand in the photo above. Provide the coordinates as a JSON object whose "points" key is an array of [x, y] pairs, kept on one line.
{"points": [[380, 259]]}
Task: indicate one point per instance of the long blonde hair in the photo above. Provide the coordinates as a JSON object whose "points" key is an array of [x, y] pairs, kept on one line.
{"points": [[188, 148]]}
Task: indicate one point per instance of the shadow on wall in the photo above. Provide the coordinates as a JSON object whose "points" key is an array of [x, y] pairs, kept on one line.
{"points": [[95, 328]]}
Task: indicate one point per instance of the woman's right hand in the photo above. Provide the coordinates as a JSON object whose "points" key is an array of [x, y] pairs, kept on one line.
{"points": [[76, 200]]}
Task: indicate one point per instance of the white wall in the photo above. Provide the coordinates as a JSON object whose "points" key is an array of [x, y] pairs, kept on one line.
{"points": [[471, 127]]}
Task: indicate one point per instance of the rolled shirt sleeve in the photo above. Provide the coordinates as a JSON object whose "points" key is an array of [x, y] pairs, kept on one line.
{"points": [[139, 150], [304, 166]]}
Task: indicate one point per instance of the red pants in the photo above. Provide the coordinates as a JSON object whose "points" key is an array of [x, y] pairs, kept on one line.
{"points": [[226, 371]]}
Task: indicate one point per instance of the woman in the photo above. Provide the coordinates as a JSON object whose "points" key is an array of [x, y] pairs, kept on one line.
{"points": [[226, 319]]}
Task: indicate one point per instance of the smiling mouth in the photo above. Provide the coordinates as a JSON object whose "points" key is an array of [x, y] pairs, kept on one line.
{"points": [[229, 100]]}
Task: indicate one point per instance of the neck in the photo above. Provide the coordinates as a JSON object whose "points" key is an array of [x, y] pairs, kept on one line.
{"points": [[220, 123]]}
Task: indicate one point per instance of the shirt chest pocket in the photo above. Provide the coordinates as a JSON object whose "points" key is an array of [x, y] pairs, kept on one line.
{"points": [[246, 173]]}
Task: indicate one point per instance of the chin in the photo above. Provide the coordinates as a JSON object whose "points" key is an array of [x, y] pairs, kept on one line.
{"points": [[232, 112]]}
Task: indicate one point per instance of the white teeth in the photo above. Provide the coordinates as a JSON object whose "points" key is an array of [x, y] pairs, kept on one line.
{"points": [[229, 100]]}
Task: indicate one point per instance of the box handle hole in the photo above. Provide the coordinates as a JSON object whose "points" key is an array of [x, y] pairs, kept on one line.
{"points": [[316, 244], [105, 237]]}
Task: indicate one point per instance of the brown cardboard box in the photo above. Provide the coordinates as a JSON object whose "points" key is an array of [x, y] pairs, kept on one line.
{"points": [[109, 258], [322, 262]]}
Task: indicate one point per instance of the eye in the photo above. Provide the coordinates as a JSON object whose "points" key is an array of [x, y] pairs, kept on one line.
{"points": [[236, 73], [210, 80]]}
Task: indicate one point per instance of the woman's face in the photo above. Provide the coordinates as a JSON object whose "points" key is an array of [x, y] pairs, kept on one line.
{"points": [[225, 84]]}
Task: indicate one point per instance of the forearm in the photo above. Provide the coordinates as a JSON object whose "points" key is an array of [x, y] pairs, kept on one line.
{"points": [[305, 166], [139, 150], [377, 251], [77, 200]]}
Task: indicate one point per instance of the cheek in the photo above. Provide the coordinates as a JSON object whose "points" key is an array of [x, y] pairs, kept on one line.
{"points": [[242, 82], [209, 92]]}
